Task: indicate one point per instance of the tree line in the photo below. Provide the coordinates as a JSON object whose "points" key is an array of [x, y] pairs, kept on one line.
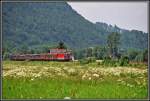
{"points": [[112, 50]]}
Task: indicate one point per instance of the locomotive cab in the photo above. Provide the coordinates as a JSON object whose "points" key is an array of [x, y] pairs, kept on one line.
{"points": [[61, 54]]}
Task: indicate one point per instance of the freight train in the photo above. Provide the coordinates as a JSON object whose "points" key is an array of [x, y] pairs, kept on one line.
{"points": [[52, 55]]}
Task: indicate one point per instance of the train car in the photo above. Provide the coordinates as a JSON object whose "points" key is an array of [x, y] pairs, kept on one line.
{"points": [[52, 55]]}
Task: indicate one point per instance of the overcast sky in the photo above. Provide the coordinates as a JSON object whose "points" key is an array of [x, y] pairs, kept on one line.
{"points": [[127, 15]]}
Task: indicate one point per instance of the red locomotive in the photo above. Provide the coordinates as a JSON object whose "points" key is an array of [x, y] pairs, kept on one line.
{"points": [[54, 54]]}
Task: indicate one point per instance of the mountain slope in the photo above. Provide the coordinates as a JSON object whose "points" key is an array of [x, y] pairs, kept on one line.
{"points": [[129, 39], [38, 24]]}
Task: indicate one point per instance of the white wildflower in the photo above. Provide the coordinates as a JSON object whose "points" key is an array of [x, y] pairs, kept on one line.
{"points": [[90, 78], [67, 97], [72, 71], [117, 73], [32, 79], [95, 75], [83, 76], [119, 80]]}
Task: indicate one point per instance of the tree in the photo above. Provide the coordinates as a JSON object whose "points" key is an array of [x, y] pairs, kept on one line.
{"points": [[145, 55], [132, 53], [80, 54], [139, 57], [100, 52], [113, 41], [61, 45], [23, 48], [89, 52], [95, 52]]}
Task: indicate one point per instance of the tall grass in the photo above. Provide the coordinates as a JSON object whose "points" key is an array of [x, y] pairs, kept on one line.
{"points": [[44, 87], [57, 88]]}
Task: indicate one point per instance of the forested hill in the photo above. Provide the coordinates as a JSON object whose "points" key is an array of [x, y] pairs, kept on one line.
{"points": [[129, 38], [36, 25]]}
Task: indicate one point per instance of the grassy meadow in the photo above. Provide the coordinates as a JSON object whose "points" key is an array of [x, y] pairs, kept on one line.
{"points": [[57, 80]]}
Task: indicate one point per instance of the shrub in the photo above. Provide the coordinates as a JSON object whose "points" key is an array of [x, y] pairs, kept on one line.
{"points": [[109, 62], [83, 61], [87, 60], [91, 59], [139, 58], [124, 61], [6, 56]]}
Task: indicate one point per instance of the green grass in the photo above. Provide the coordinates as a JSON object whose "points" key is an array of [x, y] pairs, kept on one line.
{"points": [[38, 63], [56, 88], [44, 87], [62, 64]]}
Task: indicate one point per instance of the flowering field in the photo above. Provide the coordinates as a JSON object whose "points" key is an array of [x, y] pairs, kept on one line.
{"points": [[59, 80]]}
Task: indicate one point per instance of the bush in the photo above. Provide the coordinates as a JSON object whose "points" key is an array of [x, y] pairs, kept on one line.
{"points": [[124, 61], [109, 62], [87, 60], [6, 56], [139, 58], [91, 59], [83, 61]]}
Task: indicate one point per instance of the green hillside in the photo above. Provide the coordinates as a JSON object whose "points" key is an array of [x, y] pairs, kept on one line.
{"points": [[38, 25]]}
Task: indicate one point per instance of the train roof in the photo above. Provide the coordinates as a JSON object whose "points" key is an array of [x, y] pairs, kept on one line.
{"points": [[56, 50], [59, 49]]}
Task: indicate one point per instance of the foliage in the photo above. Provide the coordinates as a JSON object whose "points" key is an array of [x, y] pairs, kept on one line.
{"points": [[109, 62], [113, 42], [99, 52], [40, 80], [61, 45], [38, 24], [58, 88], [5, 55], [132, 53], [87, 60], [83, 61], [139, 57], [145, 55], [124, 61]]}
